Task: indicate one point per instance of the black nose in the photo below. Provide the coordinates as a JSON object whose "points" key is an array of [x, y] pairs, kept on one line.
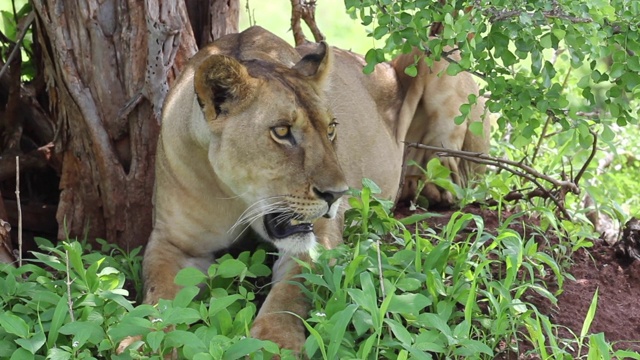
{"points": [[330, 196]]}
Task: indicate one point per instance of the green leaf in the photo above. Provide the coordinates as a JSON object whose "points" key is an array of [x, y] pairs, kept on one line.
{"points": [[369, 184], [599, 348], [472, 348], [317, 337], [370, 56], [411, 70], [409, 303], [231, 268], [340, 322], [545, 41], [22, 354], [83, 331], [216, 305], [58, 354], [243, 348], [399, 331], [185, 296], [436, 322], [59, 315], [380, 31], [190, 276], [14, 324], [454, 69], [625, 354], [180, 338], [365, 349], [415, 218], [430, 341], [591, 314], [181, 316], [477, 128], [154, 339], [34, 343]]}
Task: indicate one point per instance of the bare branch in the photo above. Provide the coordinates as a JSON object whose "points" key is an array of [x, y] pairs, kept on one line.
{"points": [[305, 10], [520, 170], [16, 48], [489, 160], [594, 148], [496, 15], [19, 211], [69, 282]]}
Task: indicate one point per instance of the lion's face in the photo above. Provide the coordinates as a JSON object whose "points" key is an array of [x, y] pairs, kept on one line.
{"points": [[272, 143]]}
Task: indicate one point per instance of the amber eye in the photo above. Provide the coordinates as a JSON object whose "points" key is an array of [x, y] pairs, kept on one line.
{"points": [[331, 130], [281, 132]]}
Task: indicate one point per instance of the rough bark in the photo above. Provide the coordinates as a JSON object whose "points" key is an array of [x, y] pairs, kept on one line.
{"points": [[212, 19], [109, 64]]}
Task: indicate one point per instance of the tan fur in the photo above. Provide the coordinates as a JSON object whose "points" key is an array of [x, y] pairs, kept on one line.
{"points": [[218, 160], [432, 101]]}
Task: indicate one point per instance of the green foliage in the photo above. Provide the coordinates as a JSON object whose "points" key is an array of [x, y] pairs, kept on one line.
{"points": [[70, 305], [395, 292], [555, 75], [525, 53], [13, 13]]}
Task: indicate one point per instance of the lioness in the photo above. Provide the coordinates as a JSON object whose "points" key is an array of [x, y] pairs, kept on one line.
{"points": [[259, 139]]}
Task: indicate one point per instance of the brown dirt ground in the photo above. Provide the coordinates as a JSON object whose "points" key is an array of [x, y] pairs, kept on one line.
{"points": [[602, 267]]}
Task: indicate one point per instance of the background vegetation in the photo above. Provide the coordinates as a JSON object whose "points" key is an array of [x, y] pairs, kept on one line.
{"points": [[400, 289]]}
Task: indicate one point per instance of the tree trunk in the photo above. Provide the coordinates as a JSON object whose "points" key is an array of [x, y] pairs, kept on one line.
{"points": [[109, 64], [212, 19]]}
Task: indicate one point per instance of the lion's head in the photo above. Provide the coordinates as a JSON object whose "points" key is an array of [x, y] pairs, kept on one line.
{"points": [[272, 142]]}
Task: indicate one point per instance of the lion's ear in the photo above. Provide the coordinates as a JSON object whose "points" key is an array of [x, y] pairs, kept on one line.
{"points": [[221, 83], [317, 65]]}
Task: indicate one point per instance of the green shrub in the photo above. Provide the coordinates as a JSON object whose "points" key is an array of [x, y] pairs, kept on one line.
{"points": [[395, 292]]}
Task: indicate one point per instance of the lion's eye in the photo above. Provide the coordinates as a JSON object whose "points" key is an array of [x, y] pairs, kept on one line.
{"points": [[281, 132], [331, 130]]}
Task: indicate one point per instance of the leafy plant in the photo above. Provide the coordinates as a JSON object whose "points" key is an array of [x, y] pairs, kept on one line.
{"points": [[445, 294], [398, 290]]}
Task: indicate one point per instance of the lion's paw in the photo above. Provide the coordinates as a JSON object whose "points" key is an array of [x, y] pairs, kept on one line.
{"points": [[283, 329]]}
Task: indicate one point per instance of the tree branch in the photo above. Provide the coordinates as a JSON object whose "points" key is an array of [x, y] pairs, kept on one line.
{"points": [[305, 10], [16, 48], [521, 170]]}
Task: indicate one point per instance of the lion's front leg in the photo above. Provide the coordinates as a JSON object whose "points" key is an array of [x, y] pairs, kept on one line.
{"points": [[276, 320], [279, 317], [162, 262]]}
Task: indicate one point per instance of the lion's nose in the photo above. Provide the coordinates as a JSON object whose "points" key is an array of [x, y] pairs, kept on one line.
{"points": [[329, 195]]}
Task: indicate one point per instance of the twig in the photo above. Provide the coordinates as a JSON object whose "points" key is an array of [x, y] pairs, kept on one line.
{"points": [[69, 301], [305, 10], [594, 148], [489, 160], [526, 172], [296, 15], [16, 47], [381, 277], [19, 211], [250, 15], [472, 72], [550, 116], [495, 15]]}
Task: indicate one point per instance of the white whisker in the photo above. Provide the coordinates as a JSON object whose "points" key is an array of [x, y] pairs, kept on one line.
{"points": [[259, 209]]}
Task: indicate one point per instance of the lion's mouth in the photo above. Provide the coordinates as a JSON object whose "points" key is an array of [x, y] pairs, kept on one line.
{"points": [[280, 225]]}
